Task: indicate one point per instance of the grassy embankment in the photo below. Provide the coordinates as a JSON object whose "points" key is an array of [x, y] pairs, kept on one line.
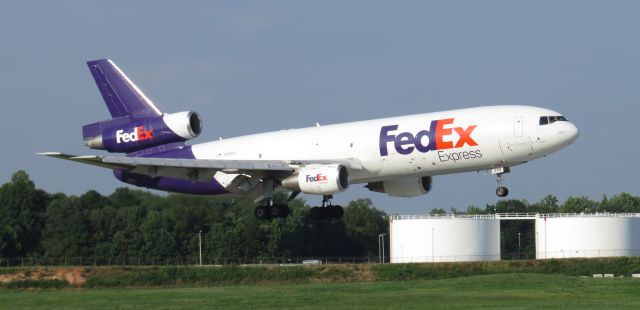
{"points": [[113, 277], [515, 291]]}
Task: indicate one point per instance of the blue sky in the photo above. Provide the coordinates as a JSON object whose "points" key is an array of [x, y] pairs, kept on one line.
{"points": [[252, 66]]}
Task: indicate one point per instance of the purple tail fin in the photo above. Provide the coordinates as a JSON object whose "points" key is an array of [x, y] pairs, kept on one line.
{"points": [[122, 97], [136, 126]]}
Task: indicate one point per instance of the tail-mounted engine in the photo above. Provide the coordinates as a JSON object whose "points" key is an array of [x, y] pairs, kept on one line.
{"points": [[127, 135], [319, 180]]}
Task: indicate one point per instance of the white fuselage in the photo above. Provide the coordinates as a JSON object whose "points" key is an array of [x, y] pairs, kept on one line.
{"points": [[464, 140]]}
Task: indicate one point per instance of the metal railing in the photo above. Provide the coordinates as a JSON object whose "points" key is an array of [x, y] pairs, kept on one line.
{"points": [[588, 253], [179, 261], [292, 261], [441, 216], [516, 216], [597, 214], [510, 216]]}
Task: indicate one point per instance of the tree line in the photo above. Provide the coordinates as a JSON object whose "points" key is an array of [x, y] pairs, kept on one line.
{"points": [[129, 224]]}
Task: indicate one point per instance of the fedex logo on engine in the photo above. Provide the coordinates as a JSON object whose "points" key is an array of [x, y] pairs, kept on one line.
{"points": [[316, 178], [138, 134], [439, 137]]}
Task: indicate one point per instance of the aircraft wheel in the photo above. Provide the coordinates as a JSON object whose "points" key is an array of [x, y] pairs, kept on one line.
{"points": [[502, 191], [329, 212], [281, 211], [339, 212], [285, 211], [333, 212], [261, 212], [317, 213], [274, 211]]}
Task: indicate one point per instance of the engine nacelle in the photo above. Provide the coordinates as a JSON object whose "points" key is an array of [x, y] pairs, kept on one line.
{"points": [[319, 180], [126, 135], [409, 187]]}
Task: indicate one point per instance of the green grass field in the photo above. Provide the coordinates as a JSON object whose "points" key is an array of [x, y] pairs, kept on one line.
{"points": [[512, 291]]}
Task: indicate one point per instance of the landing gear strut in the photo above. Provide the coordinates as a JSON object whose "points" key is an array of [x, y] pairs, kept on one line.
{"points": [[501, 191], [327, 211], [270, 210]]}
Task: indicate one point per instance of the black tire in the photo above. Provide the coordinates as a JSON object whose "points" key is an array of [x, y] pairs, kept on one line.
{"points": [[502, 191], [261, 212], [274, 211], [317, 213], [329, 212], [284, 211], [333, 212]]}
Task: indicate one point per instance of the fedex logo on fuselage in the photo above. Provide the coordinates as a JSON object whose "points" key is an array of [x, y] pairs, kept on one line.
{"points": [[138, 134], [438, 137], [316, 178]]}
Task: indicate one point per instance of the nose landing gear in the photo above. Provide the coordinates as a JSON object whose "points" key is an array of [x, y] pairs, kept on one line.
{"points": [[501, 191]]}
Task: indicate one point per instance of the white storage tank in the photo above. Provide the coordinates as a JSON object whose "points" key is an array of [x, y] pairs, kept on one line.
{"points": [[424, 238], [587, 235]]}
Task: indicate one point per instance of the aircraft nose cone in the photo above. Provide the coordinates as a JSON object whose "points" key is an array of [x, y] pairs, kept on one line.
{"points": [[572, 132]]}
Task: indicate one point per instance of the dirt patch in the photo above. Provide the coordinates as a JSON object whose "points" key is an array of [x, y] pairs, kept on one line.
{"points": [[343, 273], [6, 278], [74, 276], [363, 273]]}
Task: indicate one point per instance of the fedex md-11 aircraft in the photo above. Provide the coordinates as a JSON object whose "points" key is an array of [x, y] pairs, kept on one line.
{"points": [[397, 155]]}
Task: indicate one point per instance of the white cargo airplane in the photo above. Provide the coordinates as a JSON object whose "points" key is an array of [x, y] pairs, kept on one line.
{"points": [[397, 155]]}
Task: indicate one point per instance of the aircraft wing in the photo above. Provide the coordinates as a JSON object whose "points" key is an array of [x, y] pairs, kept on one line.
{"points": [[87, 159], [191, 169], [198, 169]]}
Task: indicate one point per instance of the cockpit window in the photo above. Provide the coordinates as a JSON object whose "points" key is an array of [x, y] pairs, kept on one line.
{"points": [[545, 120]]}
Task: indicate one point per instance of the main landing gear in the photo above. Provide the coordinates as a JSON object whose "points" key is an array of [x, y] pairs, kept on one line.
{"points": [[501, 191], [271, 211], [327, 211]]}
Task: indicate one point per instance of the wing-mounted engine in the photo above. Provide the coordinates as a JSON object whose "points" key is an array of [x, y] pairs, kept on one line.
{"points": [[409, 187], [127, 134], [319, 179]]}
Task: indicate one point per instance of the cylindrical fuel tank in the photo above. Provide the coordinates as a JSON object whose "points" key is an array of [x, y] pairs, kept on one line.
{"points": [[587, 235], [415, 239]]}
